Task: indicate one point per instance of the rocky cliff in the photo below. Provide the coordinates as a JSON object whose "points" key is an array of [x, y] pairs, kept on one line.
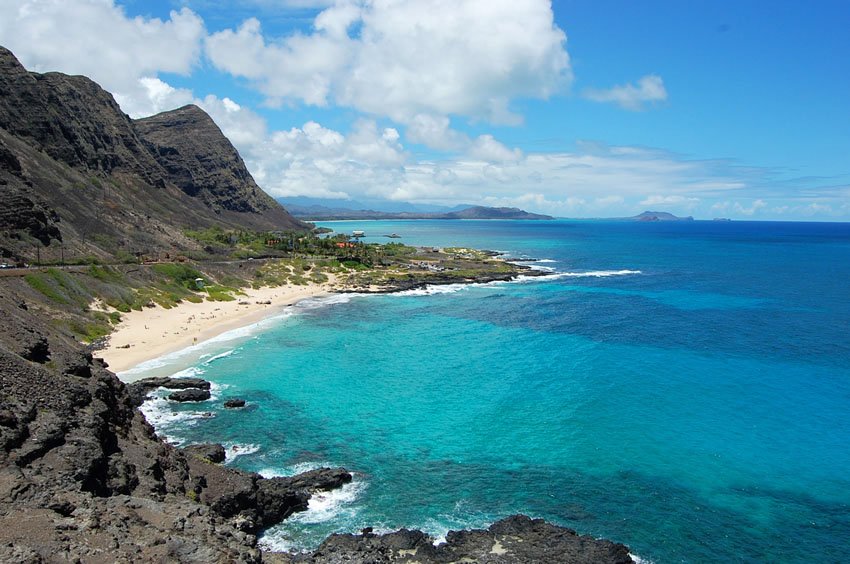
{"points": [[76, 170], [203, 163]]}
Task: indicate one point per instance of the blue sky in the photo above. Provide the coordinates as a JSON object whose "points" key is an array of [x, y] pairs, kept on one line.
{"points": [[575, 108]]}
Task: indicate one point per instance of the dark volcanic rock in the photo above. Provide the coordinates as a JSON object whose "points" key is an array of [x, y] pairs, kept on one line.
{"points": [[233, 403], [68, 151], [190, 394], [320, 479], [185, 383], [72, 119], [82, 475], [185, 142], [256, 502], [139, 389], [511, 540], [212, 452]]}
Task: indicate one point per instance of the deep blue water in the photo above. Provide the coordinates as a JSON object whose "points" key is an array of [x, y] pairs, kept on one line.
{"points": [[683, 388]]}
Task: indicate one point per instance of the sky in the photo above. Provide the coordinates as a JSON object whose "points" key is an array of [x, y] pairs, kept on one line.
{"points": [[574, 108]]}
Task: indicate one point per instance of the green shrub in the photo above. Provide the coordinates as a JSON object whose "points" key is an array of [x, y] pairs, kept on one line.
{"points": [[42, 283], [179, 273]]}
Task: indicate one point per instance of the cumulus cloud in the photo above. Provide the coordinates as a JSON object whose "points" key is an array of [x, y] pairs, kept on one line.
{"points": [[421, 64], [407, 58], [738, 208], [649, 89], [150, 95], [658, 200], [312, 159], [97, 39], [486, 148]]}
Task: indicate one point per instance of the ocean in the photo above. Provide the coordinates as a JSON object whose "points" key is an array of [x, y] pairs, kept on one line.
{"points": [[682, 387]]}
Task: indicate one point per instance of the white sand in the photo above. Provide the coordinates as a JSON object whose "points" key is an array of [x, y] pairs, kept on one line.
{"points": [[155, 332]]}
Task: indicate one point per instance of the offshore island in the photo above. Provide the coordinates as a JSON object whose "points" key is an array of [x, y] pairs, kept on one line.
{"points": [[109, 225]]}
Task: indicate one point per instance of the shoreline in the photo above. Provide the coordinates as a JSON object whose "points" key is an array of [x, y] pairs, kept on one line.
{"points": [[145, 335], [152, 333]]}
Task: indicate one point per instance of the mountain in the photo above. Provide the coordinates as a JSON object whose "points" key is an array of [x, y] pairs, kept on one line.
{"points": [[186, 141], [482, 212], [658, 216], [79, 174], [340, 205], [317, 212]]}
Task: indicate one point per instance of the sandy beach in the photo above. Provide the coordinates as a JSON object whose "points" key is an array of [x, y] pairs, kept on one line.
{"points": [[154, 332]]}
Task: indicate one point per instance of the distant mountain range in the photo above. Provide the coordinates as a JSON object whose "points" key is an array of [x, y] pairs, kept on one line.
{"points": [[377, 204], [321, 212]]}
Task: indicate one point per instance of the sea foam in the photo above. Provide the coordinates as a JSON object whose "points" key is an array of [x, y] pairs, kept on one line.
{"points": [[336, 505], [232, 451]]}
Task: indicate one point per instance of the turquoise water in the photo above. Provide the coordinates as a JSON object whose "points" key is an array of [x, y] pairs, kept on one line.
{"points": [[681, 388]]}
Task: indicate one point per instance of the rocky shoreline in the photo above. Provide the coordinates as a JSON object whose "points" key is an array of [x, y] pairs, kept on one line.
{"points": [[83, 477]]}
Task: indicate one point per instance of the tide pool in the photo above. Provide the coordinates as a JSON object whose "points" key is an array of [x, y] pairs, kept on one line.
{"points": [[682, 388]]}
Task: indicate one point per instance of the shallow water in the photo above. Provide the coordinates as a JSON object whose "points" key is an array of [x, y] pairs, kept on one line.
{"points": [[682, 388]]}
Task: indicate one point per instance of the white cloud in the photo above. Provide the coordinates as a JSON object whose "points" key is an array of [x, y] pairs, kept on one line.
{"points": [[435, 132], [150, 96], [299, 68], [312, 159], [649, 89], [405, 58], [676, 200], [97, 39], [740, 209], [486, 148]]}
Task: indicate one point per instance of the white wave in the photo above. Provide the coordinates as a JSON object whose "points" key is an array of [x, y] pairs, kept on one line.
{"points": [[216, 389], [551, 274], [293, 469], [333, 299], [639, 560], [324, 506], [277, 539], [547, 260], [219, 356], [335, 505], [433, 289], [232, 451], [596, 274], [535, 266], [159, 412], [191, 372]]}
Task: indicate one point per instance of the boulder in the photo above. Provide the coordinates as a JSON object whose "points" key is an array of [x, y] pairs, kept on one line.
{"points": [[184, 383], [514, 539], [139, 389], [209, 451], [190, 394], [233, 403], [320, 479]]}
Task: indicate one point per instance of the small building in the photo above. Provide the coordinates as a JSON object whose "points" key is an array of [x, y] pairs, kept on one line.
{"points": [[358, 233]]}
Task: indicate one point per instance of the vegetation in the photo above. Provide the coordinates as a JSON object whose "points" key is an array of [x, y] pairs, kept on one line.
{"points": [[271, 259]]}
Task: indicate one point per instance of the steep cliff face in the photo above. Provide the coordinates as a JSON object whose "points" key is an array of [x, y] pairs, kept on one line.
{"points": [[73, 120], [23, 210], [75, 169], [203, 163]]}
